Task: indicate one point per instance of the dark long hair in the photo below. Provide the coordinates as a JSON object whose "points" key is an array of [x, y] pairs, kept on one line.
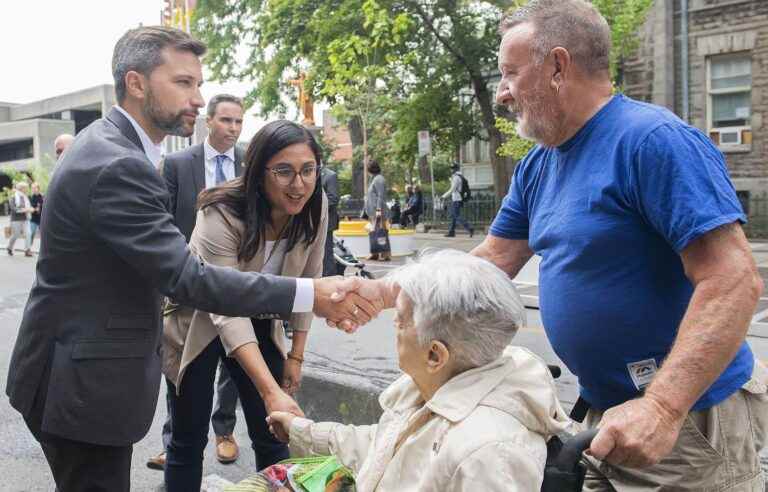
{"points": [[246, 198]]}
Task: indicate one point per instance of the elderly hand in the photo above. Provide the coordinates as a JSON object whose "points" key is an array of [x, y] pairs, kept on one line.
{"points": [[280, 425], [279, 401], [637, 433]]}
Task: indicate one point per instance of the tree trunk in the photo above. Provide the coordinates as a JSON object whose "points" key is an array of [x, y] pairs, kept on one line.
{"points": [[356, 136], [498, 164], [424, 175]]}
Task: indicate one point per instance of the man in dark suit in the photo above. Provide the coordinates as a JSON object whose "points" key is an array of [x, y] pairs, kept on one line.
{"points": [[330, 183], [85, 369], [187, 173]]}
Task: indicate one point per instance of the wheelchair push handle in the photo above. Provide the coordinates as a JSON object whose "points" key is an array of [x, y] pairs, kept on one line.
{"points": [[570, 455]]}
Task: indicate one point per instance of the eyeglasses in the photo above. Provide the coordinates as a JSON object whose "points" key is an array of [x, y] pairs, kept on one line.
{"points": [[286, 175]]}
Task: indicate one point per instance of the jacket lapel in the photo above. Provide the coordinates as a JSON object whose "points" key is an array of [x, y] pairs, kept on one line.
{"points": [[126, 128], [198, 159]]}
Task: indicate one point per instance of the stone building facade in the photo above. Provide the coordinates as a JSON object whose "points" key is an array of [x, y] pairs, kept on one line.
{"points": [[707, 60]]}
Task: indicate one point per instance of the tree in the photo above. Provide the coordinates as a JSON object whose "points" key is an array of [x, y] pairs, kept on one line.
{"points": [[417, 56], [353, 51]]}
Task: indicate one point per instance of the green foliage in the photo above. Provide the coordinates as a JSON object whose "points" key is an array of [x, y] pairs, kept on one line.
{"points": [[514, 146], [625, 18], [396, 66], [40, 174]]}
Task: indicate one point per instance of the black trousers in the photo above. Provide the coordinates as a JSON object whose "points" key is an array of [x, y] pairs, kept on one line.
{"points": [[80, 466], [191, 412]]}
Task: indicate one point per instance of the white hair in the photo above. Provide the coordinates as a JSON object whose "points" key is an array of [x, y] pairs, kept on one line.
{"points": [[464, 301]]}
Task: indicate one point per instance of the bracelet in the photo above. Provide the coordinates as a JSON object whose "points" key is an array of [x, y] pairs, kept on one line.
{"points": [[295, 357]]}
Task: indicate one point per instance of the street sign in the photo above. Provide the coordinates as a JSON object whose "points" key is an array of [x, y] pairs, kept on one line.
{"points": [[425, 144]]}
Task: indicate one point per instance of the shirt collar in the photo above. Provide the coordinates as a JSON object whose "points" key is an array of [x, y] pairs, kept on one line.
{"points": [[211, 153], [153, 151]]}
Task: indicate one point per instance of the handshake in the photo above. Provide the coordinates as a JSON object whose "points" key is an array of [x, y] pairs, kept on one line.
{"points": [[349, 302]]}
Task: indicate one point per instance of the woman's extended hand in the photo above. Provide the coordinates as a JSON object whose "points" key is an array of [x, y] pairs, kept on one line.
{"points": [[280, 425], [279, 401], [291, 376]]}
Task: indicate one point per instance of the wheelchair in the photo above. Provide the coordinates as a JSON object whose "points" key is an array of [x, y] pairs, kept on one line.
{"points": [[564, 471]]}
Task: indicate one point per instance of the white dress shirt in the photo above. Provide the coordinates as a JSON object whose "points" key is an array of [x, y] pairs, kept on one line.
{"points": [[153, 151], [210, 163]]}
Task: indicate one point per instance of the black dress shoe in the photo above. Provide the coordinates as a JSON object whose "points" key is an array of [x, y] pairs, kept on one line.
{"points": [[10, 251], [449, 235], [471, 232]]}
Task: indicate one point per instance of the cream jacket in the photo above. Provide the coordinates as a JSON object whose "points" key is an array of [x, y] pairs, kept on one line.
{"points": [[216, 239], [485, 429]]}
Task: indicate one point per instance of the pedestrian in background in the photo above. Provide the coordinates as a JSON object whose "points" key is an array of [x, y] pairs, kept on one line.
{"points": [[36, 200], [62, 143], [395, 211], [330, 183], [376, 204], [414, 206], [456, 194], [20, 208]]}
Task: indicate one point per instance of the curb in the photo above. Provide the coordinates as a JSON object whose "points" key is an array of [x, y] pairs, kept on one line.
{"points": [[330, 401]]}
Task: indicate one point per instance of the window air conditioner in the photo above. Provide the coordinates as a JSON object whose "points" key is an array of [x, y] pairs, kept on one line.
{"points": [[728, 136]]}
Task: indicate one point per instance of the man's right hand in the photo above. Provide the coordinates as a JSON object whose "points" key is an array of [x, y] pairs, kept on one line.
{"points": [[338, 300]]}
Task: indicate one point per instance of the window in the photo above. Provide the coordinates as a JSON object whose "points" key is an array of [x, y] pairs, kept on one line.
{"points": [[14, 151], [729, 107]]}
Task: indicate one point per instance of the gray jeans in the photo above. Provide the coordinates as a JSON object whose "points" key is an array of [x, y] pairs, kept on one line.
{"points": [[717, 449], [20, 228]]}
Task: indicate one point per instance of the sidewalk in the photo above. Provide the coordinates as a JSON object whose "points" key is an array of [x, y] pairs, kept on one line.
{"points": [[18, 248]]}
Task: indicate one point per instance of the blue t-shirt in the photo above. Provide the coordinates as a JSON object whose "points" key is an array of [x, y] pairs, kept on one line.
{"points": [[609, 211]]}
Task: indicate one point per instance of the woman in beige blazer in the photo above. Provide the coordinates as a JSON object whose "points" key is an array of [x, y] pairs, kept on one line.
{"points": [[273, 219]]}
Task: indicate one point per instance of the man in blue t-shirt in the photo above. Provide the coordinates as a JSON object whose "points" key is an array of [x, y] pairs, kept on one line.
{"points": [[647, 283]]}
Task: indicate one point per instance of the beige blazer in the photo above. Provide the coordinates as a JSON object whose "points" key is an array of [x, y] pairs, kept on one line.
{"points": [[215, 239]]}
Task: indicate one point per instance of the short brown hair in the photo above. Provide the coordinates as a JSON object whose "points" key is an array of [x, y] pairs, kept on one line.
{"points": [[575, 25], [140, 50], [220, 98]]}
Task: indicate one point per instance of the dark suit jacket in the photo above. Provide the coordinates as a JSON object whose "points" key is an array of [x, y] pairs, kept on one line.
{"points": [[330, 183], [184, 174], [87, 357]]}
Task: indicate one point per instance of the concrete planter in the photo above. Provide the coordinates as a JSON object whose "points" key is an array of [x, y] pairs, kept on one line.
{"points": [[355, 237]]}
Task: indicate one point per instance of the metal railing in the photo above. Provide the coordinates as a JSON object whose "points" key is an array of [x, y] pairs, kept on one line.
{"points": [[481, 210]]}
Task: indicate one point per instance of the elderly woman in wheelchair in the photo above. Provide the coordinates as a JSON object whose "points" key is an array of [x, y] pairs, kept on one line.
{"points": [[471, 412]]}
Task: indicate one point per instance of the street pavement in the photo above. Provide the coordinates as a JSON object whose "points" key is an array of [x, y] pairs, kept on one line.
{"points": [[366, 359]]}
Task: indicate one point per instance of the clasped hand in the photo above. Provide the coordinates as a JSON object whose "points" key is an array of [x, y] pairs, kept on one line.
{"points": [[637, 433], [349, 302]]}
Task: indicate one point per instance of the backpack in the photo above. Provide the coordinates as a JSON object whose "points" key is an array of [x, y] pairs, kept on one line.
{"points": [[466, 193]]}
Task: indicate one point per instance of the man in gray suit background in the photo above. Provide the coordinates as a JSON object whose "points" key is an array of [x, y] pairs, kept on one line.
{"points": [[187, 173], [330, 183], [85, 369]]}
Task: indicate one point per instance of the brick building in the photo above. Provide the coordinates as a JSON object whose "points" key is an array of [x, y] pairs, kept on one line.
{"points": [[707, 60]]}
